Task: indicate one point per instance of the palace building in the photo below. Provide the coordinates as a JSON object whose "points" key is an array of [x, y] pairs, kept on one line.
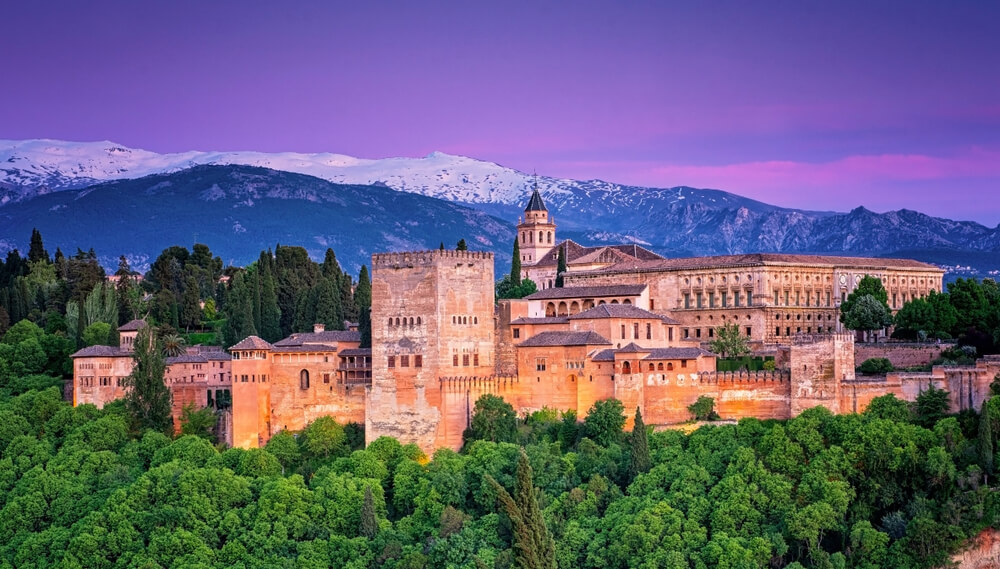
{"points": [[627, 324]]}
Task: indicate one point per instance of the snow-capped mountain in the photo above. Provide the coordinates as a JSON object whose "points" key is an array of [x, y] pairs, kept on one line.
{"points": [[673, 221]]}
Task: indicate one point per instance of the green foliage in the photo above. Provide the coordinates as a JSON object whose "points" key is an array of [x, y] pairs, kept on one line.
{"points": [[461, 245], [148, 399], [560, 267], [604, 422], [505, 288], [199, 422], [533, 545], [876, 366], [515, 264], [638, 443], [888, 407], [493, 419], [703, 409], [729, 342], [931, 406], [98, 333]]}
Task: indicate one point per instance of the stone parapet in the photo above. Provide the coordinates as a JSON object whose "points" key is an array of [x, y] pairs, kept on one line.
{"points": [[744, 376], [411, 259]]}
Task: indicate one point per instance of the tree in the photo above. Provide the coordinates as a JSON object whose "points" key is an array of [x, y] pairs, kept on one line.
{"points": [[533, 545], [493, 419], [148, 400], [703, 409], [191, 300], [866, 314], [985, 439], [369, 523], [729, 342], [561, 266], [97, 334], [867, 307], [363, 301], [931, 405], [461, 245], [199, 422], [638, 442], [604, 422], [173, 345], [238, 311], [515, 264], [506, 289], [36, 251]]}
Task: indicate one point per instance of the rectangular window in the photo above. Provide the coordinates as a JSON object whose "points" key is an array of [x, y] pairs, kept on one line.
{"points": [[404, 361], [777, 330], [796, 298], [635, 330], [670, 334], [540, 364], [748, 331], [687, 333], [788, 331], [724, 298], [623, 331], [684, 363], [475, 360], [465, 360], [697, 332], [786, 298], [392, 361], [699, 300], [711, 300], [687, 300], [736, 299], [652, 304], [418, 361], [828, 298], [454, 360], [776, 298], [326, 378], [749, 298], [711, 332], [649, 331], [517, 333]]}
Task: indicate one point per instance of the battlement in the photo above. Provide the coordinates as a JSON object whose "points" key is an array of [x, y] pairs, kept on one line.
{"points": [[410, 259], [802, 339], [743, 376], [454, 382]]}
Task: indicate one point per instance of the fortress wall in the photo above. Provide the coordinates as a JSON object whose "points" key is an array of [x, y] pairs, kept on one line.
{"points": [[293, 407], [594, 385], [765, 395], [901, 355], [251, 403]]}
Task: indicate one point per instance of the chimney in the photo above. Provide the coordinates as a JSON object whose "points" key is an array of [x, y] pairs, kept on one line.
{"points": [[317, 328]]}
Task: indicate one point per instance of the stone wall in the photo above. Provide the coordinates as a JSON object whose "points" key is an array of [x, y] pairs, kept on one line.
{"points": [[902, 355]]}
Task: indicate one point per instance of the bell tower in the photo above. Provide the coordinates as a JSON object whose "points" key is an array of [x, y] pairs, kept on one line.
{"points": [[537, 233]]}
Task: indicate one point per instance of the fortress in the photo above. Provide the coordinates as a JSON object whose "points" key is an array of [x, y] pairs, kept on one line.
{"points": [[627, 323]]}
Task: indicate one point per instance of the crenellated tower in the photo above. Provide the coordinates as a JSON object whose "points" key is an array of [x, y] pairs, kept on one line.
{"points": [[537, 232]]}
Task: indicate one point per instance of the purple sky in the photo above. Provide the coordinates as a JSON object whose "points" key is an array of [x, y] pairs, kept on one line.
{"points": [[886, 105]]}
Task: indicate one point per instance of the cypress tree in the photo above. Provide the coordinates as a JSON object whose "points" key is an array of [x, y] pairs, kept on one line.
{"points": [[515, 265], [363, 300], [369, 523], [347, 307], [148, 400], [533, 545], [639, 460], [561, 267], [36, 251], [239, 315], [253, 277], [328, 309], [461, 245], [191, 311], [270, 314]]}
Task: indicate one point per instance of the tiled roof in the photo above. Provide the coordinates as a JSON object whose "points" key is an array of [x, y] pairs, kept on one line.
{"points": [[100, 352], [633, 348], [619, 311], [762, 259], [252, 343], [676, 353], [545, 320], [217, 356], [578, 254], [565, 339], [588, 292], [535, 203], [326, 337], [132, 326], [356, 352], [303, 348], [603, 356]]}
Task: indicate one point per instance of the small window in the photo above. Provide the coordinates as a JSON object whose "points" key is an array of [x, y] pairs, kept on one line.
{"points": [[303, 379], [540, 364], [635, 330], [475, 360], [326, 378], [465, 360], [749, 329], [454, 360], [697, 332], [392, 361], [418, 321], [649, 331], [517, 333], [418, 361], [623, 331], [404, 361], [684, 363]]}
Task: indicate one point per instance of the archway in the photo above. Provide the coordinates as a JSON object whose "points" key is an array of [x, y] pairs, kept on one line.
{"points": [[550, 309], [574, 308]]}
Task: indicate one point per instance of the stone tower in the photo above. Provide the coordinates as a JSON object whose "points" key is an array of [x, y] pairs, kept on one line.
{"points": [[432, 317], [537, 233]]}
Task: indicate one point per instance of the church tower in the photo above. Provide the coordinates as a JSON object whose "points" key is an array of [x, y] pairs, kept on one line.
{"points": [[537, 233]]}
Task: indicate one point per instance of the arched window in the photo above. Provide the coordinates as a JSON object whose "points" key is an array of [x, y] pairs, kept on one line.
{"points": [[626, 301], [304, 379], [411, 321], [550, 237], [651, 368], [475, 320], [390, 322], [397, 321], [541, 238], [524, 238], [659, 366], [615, 301], [562, 309], [670, 366], [550, 309], [574, 308], [626, 367], [418, 321]]}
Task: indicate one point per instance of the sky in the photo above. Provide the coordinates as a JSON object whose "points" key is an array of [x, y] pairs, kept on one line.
{"points": [[814, 105]]}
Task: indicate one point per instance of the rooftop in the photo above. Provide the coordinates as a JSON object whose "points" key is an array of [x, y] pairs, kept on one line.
{"points": [[252, 343], [325, 337], [100, 352], [587, 292], [763, 259], [565, 339], [579, 254], [619, 311], [544, 320], [132, 326], [535, 203]]}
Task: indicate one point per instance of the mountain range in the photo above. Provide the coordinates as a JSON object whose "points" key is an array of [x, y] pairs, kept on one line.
{"points": [[237, 201]]}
